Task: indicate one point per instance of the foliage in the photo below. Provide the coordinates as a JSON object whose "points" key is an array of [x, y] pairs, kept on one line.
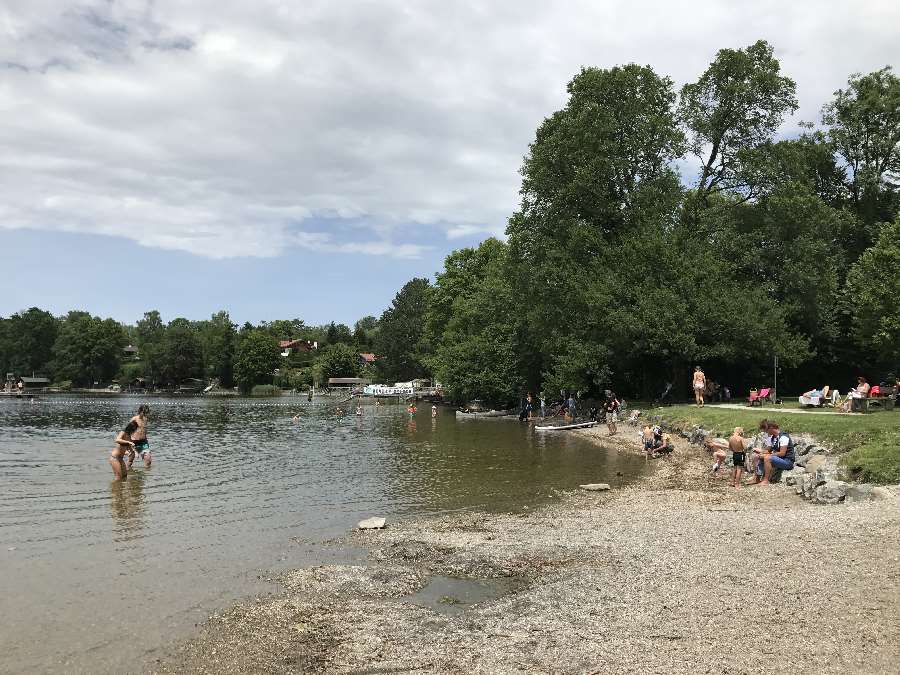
{"points": [[87, 349], [256, 359], [737, 104], [26, 342], [864, 126], [401, 327], [217, 338], [873, 294], [336, 360], [472, 326], [181, 353]]}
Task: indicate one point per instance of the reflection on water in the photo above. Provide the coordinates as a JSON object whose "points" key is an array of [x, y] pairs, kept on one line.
{"points": [[127, 505], [236, 488]]}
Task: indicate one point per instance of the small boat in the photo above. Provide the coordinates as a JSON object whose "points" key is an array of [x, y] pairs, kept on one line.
{"points": [[467, 414], [566, 427]]}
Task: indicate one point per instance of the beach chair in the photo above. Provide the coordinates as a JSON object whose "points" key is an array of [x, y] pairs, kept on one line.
{"points": [[754, 396], [761, 397]]}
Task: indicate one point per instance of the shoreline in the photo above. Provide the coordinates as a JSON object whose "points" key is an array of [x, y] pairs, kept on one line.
{"points": [[672, 573]]}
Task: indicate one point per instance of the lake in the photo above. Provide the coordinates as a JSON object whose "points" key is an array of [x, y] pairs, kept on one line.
{"points": [[100, 576]]}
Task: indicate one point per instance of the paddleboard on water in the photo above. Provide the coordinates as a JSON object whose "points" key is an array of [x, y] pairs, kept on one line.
{"points": [[566, 427]]}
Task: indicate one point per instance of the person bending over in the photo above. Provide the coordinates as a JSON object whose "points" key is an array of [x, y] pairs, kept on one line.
{"points": [[124, 444]]}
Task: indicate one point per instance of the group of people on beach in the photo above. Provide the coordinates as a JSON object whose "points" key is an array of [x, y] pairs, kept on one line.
{"points": [[130, 442], [772, 450]]}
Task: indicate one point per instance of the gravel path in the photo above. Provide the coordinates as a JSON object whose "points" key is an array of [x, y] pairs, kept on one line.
{"points": [[677, 574]]}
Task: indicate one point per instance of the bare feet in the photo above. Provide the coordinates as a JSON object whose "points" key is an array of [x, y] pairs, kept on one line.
{"points": [[763, 482]]}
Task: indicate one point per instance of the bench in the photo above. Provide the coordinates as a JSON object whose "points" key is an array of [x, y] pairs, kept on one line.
{"points": [[881, 396]]}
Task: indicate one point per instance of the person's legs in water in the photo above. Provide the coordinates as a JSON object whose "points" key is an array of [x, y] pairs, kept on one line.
{"points": [[120, 471]]}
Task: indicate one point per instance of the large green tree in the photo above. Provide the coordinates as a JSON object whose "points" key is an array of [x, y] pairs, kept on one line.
{"points": [[27, 341], [737, 104], [88, 349], [182, 354], [864, 126], [873, 295], [399, 342], [474, 326], [337, 360], [217, 338], [256, 359]]}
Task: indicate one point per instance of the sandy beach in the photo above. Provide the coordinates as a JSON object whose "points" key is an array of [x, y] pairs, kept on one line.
{"points": [[676, 573]]}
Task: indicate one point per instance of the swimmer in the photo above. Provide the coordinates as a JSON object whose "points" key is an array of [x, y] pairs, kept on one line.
{"points": [[412, 410], [141, 444], [359, 410], [123, 444], [434, 411]]}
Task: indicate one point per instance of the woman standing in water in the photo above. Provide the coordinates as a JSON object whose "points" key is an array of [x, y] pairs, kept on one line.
{"points": [[141, 444], [124, 444]]}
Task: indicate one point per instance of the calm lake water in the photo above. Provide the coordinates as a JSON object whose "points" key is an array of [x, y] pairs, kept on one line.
{"points": [[98, 576]]}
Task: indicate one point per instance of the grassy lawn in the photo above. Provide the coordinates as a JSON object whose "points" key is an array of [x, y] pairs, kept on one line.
{"points": [[871, 441]]}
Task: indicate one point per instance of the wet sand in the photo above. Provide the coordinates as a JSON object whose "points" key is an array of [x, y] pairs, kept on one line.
{"points": [[675, 574]]}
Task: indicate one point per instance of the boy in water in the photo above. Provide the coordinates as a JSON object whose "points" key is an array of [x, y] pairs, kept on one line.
{"points": [[141, 444], [123, 444]]}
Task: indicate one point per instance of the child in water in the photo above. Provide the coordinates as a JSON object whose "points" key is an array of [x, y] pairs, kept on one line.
{"points": [[124, 444]]}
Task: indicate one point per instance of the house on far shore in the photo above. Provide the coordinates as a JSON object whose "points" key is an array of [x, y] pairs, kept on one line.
{"points": [[130, 352], [367, 358], [288, 346], [34, 383]]}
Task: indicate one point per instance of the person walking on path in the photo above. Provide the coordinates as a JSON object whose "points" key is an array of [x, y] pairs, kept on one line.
{"points": [[699, 385], [571, 406], [141, 444]]}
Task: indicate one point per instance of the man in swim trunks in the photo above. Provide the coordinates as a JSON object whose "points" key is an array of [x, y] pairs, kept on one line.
{"points": [[141, 444]]}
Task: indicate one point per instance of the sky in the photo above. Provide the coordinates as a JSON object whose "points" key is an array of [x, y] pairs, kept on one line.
{"points": [[306, 159]]}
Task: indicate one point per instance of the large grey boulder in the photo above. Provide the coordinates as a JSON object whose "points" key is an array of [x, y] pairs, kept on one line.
{"points": [[794, 476], [831, 492], [859, 493]]}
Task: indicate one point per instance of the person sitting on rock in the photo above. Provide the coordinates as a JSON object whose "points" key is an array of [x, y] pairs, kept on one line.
{"points": [[780, 455]]}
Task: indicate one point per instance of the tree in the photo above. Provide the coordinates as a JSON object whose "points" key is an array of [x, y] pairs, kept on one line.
{"points": [[151, 335], [364, 332], [873, 295], [473, 327], [256, 359], [29, 341], [615, 137], [88, 349], [182, 355], [217, 337], [282, 329], [864, 125], [736, 105], [399, 342], [337, 360], [338, 333]]}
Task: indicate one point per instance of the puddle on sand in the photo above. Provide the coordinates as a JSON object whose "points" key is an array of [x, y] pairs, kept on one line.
{"points": [[451, 595]]}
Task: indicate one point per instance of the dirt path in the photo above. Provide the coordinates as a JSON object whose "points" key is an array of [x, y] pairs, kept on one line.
{"points": [[678, 574]]}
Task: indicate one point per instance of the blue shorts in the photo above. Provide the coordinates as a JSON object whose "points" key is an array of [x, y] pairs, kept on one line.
{"points": [[142, 447], [777, 462]]}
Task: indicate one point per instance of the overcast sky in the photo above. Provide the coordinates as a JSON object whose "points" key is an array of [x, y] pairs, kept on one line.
{"points": [[305, 158]]}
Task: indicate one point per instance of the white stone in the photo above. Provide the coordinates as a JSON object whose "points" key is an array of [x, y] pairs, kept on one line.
{"points": [[371, 524]]}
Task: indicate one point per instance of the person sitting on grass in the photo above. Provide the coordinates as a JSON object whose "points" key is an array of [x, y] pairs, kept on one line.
{"points": [[779, 455]]}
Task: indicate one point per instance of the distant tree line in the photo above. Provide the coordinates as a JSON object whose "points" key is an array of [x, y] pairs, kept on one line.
{"points": [[617, 275], [81, 350]]}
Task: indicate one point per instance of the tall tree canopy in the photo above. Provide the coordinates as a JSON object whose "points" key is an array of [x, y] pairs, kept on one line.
{"points": [[737, 104], [401, 327]]}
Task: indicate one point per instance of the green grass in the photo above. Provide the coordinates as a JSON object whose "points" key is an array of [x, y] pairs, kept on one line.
{"points": [[871, 442]]}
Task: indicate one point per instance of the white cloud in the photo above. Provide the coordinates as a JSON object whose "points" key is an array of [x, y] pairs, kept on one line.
{"points": [[233, 128]]}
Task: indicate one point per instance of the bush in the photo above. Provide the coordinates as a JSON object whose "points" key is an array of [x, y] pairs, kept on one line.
{"points": [[264, 390]]}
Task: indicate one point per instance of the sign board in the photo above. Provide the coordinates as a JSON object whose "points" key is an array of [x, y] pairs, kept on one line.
{"points": [[383, 390]]}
